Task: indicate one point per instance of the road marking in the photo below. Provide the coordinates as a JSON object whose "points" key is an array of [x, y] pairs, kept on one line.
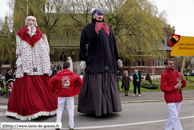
{"points": [[129, 124], [142, 101], [119, 125]]}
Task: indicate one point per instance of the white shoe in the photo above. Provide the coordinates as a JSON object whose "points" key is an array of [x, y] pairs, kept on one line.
{"points": [[121, 89], [133, 95], [139, 95]]}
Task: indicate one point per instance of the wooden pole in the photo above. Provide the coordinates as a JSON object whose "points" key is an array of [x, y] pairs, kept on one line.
{"points": [[183, 64]]}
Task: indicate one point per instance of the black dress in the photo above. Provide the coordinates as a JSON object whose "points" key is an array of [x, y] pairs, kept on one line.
{"points": [[99, 92]]}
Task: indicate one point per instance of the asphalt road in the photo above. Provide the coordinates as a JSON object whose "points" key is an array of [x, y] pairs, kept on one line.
{"points": [[134, 116]]}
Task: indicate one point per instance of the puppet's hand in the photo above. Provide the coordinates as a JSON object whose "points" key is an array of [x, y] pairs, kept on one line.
{"points": [[83, 65], [120, 63], [19, 61]]}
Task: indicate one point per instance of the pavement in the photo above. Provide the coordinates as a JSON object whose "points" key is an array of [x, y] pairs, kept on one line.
{"points": [[156, 96]]}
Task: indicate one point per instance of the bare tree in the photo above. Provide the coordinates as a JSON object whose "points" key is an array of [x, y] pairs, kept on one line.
{"points": [[137, 25]]}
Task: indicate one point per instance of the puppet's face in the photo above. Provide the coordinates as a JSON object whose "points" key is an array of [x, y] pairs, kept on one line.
{"points": [[170, 65], [31, 22], [98, 17]]}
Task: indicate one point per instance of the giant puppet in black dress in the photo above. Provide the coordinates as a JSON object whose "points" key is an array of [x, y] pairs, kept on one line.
{"points": [[99, 93]]}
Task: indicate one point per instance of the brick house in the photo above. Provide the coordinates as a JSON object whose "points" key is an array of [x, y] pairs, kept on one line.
{"points": [[63, 47]]}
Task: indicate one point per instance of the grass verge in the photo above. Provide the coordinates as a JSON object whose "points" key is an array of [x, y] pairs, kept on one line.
{"points": [[189, 86]]}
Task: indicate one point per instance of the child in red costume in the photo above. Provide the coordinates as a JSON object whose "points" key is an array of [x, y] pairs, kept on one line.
{"points": [[67, 85]]}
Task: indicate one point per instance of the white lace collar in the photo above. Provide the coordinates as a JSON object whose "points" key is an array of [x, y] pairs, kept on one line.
{"points": [[31, 31]]}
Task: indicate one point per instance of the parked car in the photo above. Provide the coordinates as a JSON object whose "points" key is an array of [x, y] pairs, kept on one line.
{"points": [[187, 74], [192, 74]]}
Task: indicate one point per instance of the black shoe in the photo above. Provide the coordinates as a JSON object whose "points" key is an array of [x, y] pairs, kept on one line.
{"points": [[57, 129]]}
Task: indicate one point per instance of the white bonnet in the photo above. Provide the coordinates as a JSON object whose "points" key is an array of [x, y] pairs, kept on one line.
{"points": [[32, 17]]}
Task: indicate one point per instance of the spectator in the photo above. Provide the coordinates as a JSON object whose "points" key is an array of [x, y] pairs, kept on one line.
{"points": [[11, 72], [8, 75], [10, 87], [136, 82], [14, 74], [75, 69], [58, 67], [126, 80], [122, 81], [172, 93], [67, 85], [53, 68], [117, 74], [82, 75], [2, 85]]}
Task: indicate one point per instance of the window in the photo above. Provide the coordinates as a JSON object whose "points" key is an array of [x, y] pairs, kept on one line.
{"points": [[73, 53], [126, 63], [141, 63], [63, 57], [160, 62], [6, 61]]}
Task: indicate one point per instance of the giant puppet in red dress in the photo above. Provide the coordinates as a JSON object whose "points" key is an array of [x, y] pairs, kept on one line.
{"points": [[31, 96]]}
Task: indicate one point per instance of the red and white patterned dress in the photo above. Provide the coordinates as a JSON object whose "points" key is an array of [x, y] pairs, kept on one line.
{"points": [[31, 96]]}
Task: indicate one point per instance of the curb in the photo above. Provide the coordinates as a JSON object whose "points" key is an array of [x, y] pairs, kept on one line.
{"points": [[160, 100], [141, 101], [138, 101]]}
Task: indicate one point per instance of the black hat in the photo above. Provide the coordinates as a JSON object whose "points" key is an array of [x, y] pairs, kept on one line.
{"points": [[97, 11]]}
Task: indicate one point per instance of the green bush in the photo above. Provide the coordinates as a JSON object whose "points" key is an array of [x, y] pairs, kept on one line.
{"points": [[148, 85], [145, 82], [148, 78]]}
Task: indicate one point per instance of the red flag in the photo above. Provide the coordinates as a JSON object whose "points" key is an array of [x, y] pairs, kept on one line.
{"points": [[174, 39]]}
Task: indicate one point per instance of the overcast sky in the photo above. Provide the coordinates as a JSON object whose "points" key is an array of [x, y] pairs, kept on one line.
{"points": [[4, 8], [179, 14]]}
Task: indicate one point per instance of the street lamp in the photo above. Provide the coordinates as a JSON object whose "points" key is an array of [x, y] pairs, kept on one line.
{"points": [[27, 10]]}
